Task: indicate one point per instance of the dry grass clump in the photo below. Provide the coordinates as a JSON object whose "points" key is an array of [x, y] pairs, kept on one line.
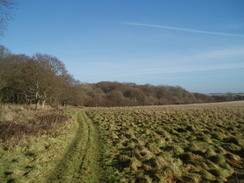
{"points": [[12, 112], [184, 143], [50, 121], [11, 129]]}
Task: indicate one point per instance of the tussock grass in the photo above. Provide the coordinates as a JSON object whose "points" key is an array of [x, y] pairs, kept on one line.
{"points": [[184, 143]]}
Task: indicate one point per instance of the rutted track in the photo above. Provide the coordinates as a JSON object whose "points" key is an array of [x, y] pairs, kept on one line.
{"points": [[81, 162]]}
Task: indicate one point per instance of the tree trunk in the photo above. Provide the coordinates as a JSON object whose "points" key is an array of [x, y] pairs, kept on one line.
{"points": [[43, 103]]}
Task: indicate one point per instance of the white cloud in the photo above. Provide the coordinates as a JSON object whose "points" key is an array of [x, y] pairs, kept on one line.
{"points": [[214, 60], [173, 70], [213, 56], [182, 69], [228, 60], [182, 29], [223, 53]]}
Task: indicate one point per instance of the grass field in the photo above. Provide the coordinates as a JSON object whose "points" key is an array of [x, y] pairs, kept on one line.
{"points": [[184, 143], [177, 143]]}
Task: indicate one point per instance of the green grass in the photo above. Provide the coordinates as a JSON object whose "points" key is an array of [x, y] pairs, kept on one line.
{"points": [[70, 152], [30, 157], [82, 160]]}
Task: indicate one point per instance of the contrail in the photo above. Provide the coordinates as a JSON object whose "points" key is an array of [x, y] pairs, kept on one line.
{"points": [[181, 29]]}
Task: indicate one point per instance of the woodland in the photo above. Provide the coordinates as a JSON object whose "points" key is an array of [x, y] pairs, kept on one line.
{"points": [[43, 79]]}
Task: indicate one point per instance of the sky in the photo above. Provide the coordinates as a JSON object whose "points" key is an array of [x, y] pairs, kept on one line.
{"points": [[198, 45]]}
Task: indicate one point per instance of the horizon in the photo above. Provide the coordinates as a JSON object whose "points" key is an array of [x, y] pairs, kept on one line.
{"points": [[198, 46]]}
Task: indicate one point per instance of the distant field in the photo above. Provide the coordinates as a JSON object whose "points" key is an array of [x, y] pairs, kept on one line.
{"points": [[150, 144], [178, 143]]}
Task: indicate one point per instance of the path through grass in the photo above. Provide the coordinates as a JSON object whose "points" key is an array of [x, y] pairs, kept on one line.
{"points": [[81, 162]]}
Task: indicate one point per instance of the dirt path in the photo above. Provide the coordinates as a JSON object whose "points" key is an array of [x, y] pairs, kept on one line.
{"points": [[81, 163]]}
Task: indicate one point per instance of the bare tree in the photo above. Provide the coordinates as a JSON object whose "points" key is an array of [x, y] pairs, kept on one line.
{"points": [[6, 7], [53, 62]]}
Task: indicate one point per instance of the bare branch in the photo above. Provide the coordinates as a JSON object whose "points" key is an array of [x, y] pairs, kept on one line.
{"points": [[6, 15]]}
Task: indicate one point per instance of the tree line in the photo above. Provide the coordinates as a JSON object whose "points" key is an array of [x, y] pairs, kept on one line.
{"points": [[130, 94], [43, 79]]}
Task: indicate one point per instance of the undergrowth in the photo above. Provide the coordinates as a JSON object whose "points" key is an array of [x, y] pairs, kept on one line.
{"points": [[17, 122]]}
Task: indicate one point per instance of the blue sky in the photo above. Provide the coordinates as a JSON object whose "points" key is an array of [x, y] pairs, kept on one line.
{"points": [[198, 45]]}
